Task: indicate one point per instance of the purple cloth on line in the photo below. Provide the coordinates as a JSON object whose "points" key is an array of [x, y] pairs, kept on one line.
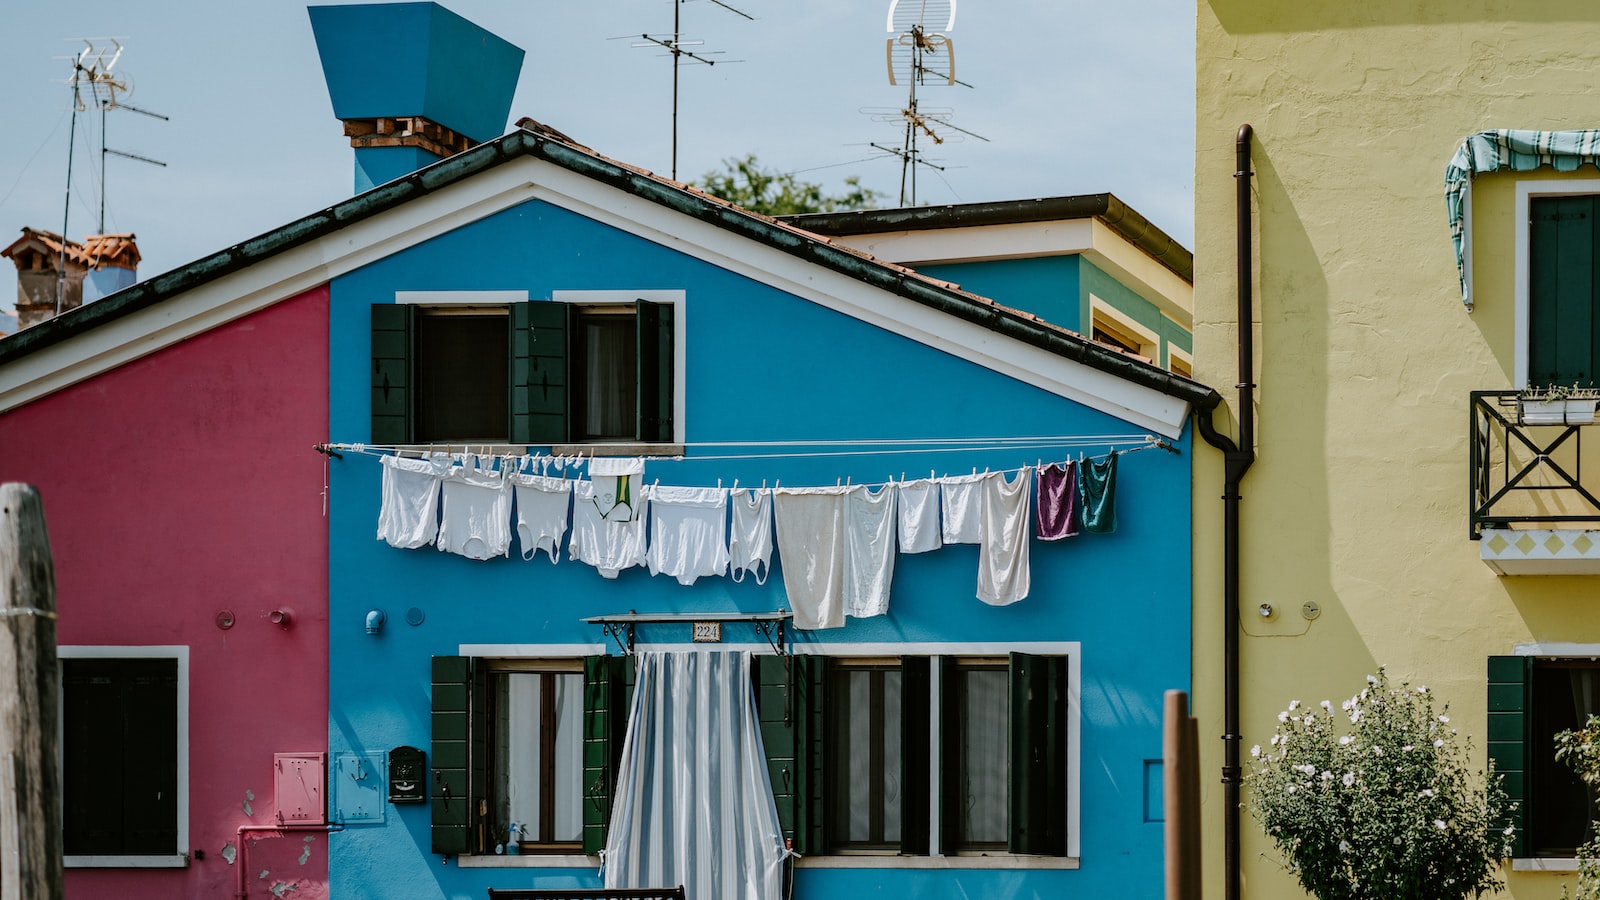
{"points": [[1057, 501]]}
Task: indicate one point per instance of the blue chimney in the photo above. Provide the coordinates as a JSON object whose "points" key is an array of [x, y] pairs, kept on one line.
{"points": [[413, 83]]}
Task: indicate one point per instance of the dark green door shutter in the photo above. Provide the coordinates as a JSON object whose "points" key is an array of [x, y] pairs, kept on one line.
{"points": [[1038, 795], [916, 722], [458, 753], [1510, 724], [607, 702], [656, 368], [951, 793], [1564, 331], [789, 706], [538, 372], [393, 328]]}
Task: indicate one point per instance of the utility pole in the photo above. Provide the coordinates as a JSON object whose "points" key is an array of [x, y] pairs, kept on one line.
{"points": [[30, 773]]}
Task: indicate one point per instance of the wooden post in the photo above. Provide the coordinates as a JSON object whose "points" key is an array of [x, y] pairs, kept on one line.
{"points": [[30, 776], [1181, 786]]}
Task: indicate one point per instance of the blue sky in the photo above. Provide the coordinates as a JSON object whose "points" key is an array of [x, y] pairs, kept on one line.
{"points": [[1074, 97]]}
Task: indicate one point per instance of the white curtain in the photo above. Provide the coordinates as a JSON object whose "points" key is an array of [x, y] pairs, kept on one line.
{"points": [[693, 804]]}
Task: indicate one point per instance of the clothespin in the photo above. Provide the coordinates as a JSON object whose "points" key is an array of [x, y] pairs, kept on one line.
{"points": [[719, 484], [736, 484]]}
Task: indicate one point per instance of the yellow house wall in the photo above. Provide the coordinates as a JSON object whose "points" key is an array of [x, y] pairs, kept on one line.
{"points": [[1365, 355]]}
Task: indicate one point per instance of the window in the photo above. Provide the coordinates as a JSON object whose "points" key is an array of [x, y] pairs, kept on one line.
{"points": [[535, 742], [1562, 290], [124, 756], [1179, 362], [1109, 325], [869, 758], [1530, 700], [466, 367]]}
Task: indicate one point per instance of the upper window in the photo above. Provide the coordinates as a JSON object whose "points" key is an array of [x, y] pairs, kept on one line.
{"points": [[461, 368], [1530, 700], [858, 775], [1563, 323], [124, 746], [1109, 325]]}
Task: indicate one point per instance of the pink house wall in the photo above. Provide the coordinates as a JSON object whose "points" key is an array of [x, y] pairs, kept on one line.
{"points": [[175, 487]]}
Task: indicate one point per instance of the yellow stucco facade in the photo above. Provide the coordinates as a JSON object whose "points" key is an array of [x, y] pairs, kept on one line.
{"points": [[1365, 357]]}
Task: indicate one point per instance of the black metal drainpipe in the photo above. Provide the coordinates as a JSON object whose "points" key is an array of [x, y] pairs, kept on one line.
{"points": [[1237, 459]]}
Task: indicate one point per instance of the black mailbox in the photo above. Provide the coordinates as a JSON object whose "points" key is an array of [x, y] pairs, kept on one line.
{"points": [[406, 784]]}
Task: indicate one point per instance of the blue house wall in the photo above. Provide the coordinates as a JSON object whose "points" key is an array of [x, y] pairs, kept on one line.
{"points": [[762, 365]]}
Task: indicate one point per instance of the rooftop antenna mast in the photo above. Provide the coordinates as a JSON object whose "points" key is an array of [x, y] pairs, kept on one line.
{"points": [[674, 44], [917, 29], [92, 69]]}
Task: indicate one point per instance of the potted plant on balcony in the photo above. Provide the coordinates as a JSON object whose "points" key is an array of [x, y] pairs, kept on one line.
{"points": [[1557, 405]]}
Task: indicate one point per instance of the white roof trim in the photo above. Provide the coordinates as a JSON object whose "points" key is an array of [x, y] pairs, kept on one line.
{"points": [[1089, 237], [361, 243]]}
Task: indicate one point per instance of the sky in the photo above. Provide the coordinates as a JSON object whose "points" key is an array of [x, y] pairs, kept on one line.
{"points": [[1073, 97]]}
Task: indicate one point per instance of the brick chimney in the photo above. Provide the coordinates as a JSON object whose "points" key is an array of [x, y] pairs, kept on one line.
{"points": [[101, 265], [413, 83]]}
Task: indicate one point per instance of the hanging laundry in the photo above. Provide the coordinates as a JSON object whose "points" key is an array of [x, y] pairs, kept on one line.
{"points": [[961, 503], [475, 518], [688, 532], [1004, 576], [869, 542], [1097, 487], [1058, 501], [408, 514], [542, 509], [919, 515], [617, 482], [750, 542], [609, 546], [810, 523]]}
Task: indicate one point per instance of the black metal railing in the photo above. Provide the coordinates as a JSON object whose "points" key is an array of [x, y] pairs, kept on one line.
{"points": [[1526, 463]]}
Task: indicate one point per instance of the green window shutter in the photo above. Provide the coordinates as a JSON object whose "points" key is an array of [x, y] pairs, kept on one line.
{"points": [[656, 369], [458, 752], [607, 700], [950, 792], [784, 707], [1564, 332], [1510, 725], [393, 329], [916, 673], [538, 372], [1038, 789]]}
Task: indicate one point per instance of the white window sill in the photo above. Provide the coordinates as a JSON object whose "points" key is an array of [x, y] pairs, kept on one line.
{"points": [[1544, 864], [175, 861], [995, 861], [529, 861]]}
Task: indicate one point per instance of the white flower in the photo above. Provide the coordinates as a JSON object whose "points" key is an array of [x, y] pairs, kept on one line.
{"points": [[1397, 842], [1256, 750], [1372, 679], [1326, 775], [1346, 705], [1422, 689], [1509, 830], [1426, 792], [1294, 705], [1348, 779], [1307, 769], [1407, 748], [1290, 789], [1283, 717], [1439, 742], [1444, 718], [1276, 738], [1377, 751], [1439, 824], [1344, 847], [1345, 739], [1327, 706]]}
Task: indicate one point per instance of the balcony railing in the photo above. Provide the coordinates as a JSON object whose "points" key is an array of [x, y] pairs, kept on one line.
{"points": [[1527, 464]]}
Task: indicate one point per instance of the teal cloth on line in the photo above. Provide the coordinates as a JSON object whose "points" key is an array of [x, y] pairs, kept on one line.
{"points": [[1097, 493]]}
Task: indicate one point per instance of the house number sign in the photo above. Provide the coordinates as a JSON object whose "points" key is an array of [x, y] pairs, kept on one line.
{"points": [[707, 632]]}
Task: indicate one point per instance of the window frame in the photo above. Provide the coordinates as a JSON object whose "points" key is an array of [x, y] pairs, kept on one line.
{"points": [[487, 659], [937, 855], [1125, 332], [179, 858], [572, 300], [497, 784], [1522, 265]]}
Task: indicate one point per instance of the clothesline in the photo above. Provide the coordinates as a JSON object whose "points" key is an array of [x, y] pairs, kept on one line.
{"points": [[898, 447]]}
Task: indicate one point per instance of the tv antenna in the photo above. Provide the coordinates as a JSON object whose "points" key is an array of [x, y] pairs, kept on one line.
{"points": [[674, 43], [918, 52], [92, 70]]}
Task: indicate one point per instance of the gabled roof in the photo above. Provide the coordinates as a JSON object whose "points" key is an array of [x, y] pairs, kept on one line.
{"points": [[471, 184]]}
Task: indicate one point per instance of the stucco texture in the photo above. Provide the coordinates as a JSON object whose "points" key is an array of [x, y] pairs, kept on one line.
{"points": [[1365, 355], [176, 486]]}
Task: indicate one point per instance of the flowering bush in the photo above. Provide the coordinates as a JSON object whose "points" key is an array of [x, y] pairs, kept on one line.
{"points": [[1376, 800], [1581, 750]]}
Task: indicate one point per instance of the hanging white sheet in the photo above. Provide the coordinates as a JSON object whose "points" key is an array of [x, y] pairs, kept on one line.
{"points": [[694, 803], [408, 513]]}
